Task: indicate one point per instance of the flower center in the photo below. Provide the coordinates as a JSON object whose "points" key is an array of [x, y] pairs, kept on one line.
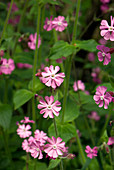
{"points": [[48, 22], [53, 75], [49, 107], [7, 65], [37, 149], [59, 23], [110, 28], [54, 147], [102, 97], [103, 54]]}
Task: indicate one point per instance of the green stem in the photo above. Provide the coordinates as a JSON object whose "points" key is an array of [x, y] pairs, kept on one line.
{"points": [[33, 114], [55, 126], [6, 21], [20, 25], [111, 159], [6, 91]]}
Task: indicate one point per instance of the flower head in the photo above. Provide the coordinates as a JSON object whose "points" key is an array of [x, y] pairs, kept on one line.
{"points": [[40, 137], [7, 66], [27, 120], [79, 85], [101, 96], [107, 31], [55, 147], [105, 1], [50, 108], [25, 145], [50, 78], [48, 24], [23, 131], [94, 116], [104, 54], [59, 23], [91, 153], [32, 42], [110, 141]]}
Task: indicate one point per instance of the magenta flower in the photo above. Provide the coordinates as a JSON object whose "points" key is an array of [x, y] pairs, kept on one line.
{"points": [[14, 20], [27, 120], [91, 57], [23, 65], [94, 116], [14, 7], [104, 54], [40, 137], [95, 74], [105, 1], [110, 141], [48, 24], [60, 60], [49, 107], [25, 145], [1, 53], [36, 150], [50, 78], [59, 23], [104, 8], [102, 41], [107, 31], [101, 96], [55, 147], [23, 131], [91, 153], [79, 85], [7, 66], [32, 42]]}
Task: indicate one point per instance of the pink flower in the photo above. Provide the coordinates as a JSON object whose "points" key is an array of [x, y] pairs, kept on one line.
{"points": [[101, 96], [40, 137], [1, 53], [104, 8], [110, 141], [50, 78], [91, 153], [60, 60], [78, 132], [104, 54], [14, 20], [23, 131], [91, 57], [25, 145], [55, 147], [95, 74], [32, 42], [59, 23], [48, 24], [24, 65], [14, 7], [102, 41], [7, 66], [27, 120], [79, 85], [105, 1], [36, 150], [107, 31], [94, 116], [49, 107]]}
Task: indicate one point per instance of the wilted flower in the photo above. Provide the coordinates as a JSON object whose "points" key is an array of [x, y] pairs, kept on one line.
{"points": [[50, 108], [7, 66], [59, 23], [79, 85], [23, 131], [91, 153], [32, 42]]}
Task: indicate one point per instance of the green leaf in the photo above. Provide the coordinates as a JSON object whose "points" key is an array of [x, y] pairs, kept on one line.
{"points": [[53, 163], [104, 137], [38, 85], [67, 1], [88, 45], [5, 115], [25, 57], [21, 97], [88, 161], [49, 1], [65, 131], [23, 73], [61, 49]]}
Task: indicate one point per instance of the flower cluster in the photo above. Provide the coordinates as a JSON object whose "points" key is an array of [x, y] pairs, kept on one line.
{"points": [[59, 24]]}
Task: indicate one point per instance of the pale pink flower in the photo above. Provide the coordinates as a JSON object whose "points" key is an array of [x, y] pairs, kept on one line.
{"points": [[91, 57], [94, 116], [105, 1], [101, 96], [55, 147], [50, 78], [27, 120], [7, 66], [107, 31], [48, 24], [25, 145], [79, 85], [40, 137], [110, 141], [59, 23], [32, 42], [104, 54], [23, 131], [36, 150], [91, 153], [50, 108]]}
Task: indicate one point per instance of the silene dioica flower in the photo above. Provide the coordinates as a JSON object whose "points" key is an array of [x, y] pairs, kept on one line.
{"points": [[32, 41], [79, 85], [7, 66], [91, 153], [59, 23], [23, 131], [48, 24]]}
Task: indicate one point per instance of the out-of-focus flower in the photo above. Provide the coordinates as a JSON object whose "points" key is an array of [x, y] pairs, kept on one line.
{"points": [[101, 96], [14, 7], [78, 132], [104, 8], [102, 41], [59, 23], [91, 57], [60, 60], [24, 65], [105, 1], [27, 120], [14, 20], [48, 24], [50, 108], [107, 31], [23, 131], [94, 116], [91, 153], [95, 74], [1, 53], [104, 54], [110, 141], [40, 137], [50, 78], [79, 85], [32, 42], [55, 147], [7, 66]]}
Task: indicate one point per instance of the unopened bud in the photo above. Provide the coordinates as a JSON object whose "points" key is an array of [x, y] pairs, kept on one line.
{"points": [[1, 53]]}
